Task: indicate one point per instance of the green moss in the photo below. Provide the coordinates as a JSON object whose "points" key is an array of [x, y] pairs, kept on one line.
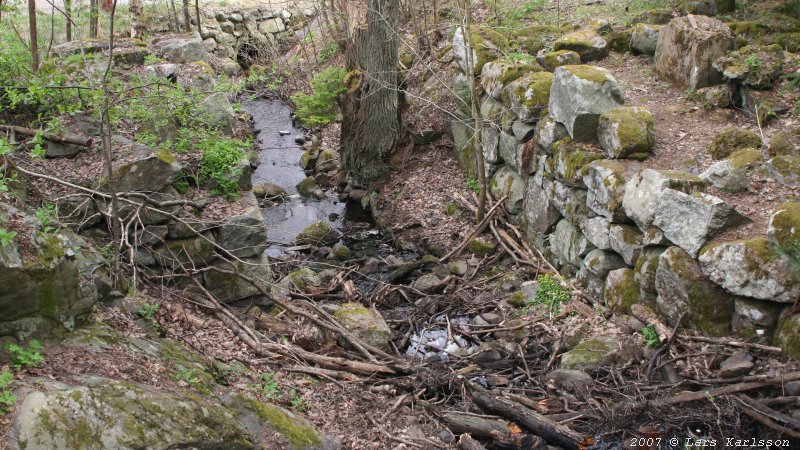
{"points": [[166, 156], [745, 158], [452, 209], [785, 229], [560, 58], [531, 39], [481, 247], [573, 159], [518, 299], [789, 41], [589, 73], [299, 432], [787, 335], [731, 140], [747, 29], [621, 296]]}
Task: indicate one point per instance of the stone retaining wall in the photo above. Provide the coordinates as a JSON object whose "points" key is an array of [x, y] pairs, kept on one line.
{"points": [[572, 160]]}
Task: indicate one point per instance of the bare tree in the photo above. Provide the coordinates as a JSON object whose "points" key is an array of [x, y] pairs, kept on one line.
{"points": [[137, 19], [197, 16], [68, 16], [187, 22], [34, 32], [370, 125], [94, 14]]}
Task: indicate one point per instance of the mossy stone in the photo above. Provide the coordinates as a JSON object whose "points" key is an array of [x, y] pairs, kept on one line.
{"points": [[746, 158], [732, 139], [586, 43], [318, 233], [787, 336], [789, 41], [619, 41], [785, 143], [572, 160], [560, 58], [364, 323], [591, 354], [531, 39], [481, 246], [621, 291], [784, 229], [627, 132], [300, 434]]}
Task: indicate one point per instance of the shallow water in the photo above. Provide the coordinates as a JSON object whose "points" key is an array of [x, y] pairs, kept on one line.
{"points": [[280, 157]]}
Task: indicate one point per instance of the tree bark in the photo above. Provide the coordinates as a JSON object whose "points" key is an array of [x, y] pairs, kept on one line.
{"points": [[93, 18], [68, 16], [197, 16], [137, 19], [187, 21], [34, 31], [370, 125]]}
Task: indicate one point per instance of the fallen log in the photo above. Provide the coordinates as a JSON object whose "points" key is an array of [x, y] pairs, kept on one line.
{"points": [[62, 138], [724, 390], [460, 423], [540, 425]]}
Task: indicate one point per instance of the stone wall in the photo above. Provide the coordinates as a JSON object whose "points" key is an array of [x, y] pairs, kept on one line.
{"points": [[571, 158]]}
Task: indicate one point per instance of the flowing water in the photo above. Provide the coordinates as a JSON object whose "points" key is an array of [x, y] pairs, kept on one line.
{"points": [[279, 164]]}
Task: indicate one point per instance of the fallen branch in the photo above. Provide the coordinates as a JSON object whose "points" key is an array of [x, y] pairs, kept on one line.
{"points": [[732, 343], [540, 425], [766, 421], [724, 390], [64, 138], [664, 347], [478, 230]]}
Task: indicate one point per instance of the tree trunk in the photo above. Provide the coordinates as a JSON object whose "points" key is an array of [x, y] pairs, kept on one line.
{"points": [[93, 18], [137, 19], [197, 16], [187, 22], [476, 110], [175, 23], [370, 125], [68, 16], [34, 31]]}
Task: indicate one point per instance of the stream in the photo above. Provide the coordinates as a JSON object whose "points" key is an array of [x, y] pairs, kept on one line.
{"points": [[279, 164]]}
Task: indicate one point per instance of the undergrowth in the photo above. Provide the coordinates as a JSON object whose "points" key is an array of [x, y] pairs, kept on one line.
{"points": [[320, 107]]}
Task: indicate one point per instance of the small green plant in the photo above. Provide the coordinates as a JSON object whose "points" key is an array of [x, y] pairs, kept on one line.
{"points": [[39, 149], [269, 387], [473, 185], [23, 356], [521, 57], [147, 311], [6, 236], [753, 62], [651, 336], [328, 52], [320, 107], [7, 399], [152, 59], [550, 293], [792, 83], [46, 216], [186, 375], [297, 401], [218, 164]]}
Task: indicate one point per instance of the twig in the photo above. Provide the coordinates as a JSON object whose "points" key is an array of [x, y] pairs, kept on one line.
{"points": [[664, 347]]}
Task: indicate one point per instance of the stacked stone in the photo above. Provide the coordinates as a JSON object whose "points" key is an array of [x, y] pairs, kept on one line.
{"points": [[568, 155]]}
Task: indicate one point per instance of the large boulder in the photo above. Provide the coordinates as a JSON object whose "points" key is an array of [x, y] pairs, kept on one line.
{"points": [[627, 132], [579, 95], [149, 170], [230, 287], [46, 279], [538, 214], [586, 43], [496, 75], [605, 181], [644, 190], [597, 230], [751, 268], [244, 235], [687, 48], [217, 111], [756, 318], [692, 220], [507, 182], [731, 175], [569, 244], [485, 44], [682, 287], [644, 38], [645, 270], [732, 139], [757, 66], [529, 95], [601, 262], [364, 323], [181, 49]]}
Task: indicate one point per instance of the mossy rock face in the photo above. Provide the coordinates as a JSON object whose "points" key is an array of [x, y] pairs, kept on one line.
{"points": [[757, 66], [731, 175], [682, 286], [559, 58], [571, 160], [197, 251], [777, 22], [260, 418], [309, 188], [364, 323], [644, 38], [787, 336], [586, 43], [713, 96], [151, 172], [464, 148], [789, 41], [653, 16], [621, 291], [698, 7], [579, 95], [732, 139], [230, 287], [619, 41], [605, 180], [496, 75], [303, 280], [533, 38], [601, 262], [751, 268], [761, 106], [785, 143], [784, 169], [756, 319], [644, 191], [318, 233], [485, 43], [480, 246], [528, 96], [645, 270], [569, 244], [627, 132], [506, 182], [104, 413], [592, 354], [784, 230]]}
